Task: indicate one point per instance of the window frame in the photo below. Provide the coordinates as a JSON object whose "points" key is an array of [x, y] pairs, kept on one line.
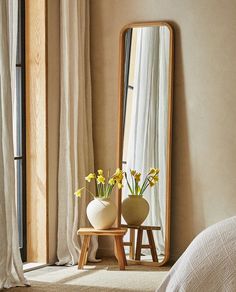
{"points": [[22, 157]]}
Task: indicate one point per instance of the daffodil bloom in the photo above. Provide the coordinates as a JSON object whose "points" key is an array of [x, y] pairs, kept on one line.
{"points": [[118, 172], [156, 178], [137, 176], [78, 193], [120, 186], [118, 176], [111, 181], [154, 171], [133, 172], [152, 183], [136, 187], [101, 179], [90, 176], [104, 186]]}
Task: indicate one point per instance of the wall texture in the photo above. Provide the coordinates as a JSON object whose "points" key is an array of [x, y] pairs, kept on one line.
{"points": [[204, 140]]}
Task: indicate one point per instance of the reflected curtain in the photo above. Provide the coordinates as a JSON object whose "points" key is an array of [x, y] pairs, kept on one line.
{"points": [[76, 157], [11, 269], [147, 140]]}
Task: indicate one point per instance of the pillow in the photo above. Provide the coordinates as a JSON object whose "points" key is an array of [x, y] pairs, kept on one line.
{"points": [[208, 264]]}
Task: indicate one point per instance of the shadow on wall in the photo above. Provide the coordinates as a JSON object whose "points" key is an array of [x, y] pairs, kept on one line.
{"points": [[182, 205]]}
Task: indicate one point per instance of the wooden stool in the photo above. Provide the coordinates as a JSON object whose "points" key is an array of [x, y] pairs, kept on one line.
{"points": [[118, 234], [139, 245]]}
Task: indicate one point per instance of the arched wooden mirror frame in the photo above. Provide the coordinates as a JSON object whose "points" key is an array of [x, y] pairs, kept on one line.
{"points": [[169, 129]]}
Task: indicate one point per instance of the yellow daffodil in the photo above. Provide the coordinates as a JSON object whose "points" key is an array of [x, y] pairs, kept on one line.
{"points": [[137, 176], [156, 178], [111, 181], [154, 171], [120, 186], [133, 172], [152, 183], [101, 179], [90, 176], [78, 193], [153, 180], [100, 172], [118, 176], [118, 172]]}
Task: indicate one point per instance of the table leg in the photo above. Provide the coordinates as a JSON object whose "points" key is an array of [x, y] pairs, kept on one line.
{"points": [[115, 250], [84, 252], [139, 245], [120, 252], [131, 249], [152, 246]]}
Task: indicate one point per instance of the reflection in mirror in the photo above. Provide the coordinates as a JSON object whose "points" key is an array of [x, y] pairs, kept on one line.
{"points": [[146, 134]]}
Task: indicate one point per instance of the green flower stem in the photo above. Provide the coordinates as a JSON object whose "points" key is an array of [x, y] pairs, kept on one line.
{"points": [[136, 187], [133, 181], [89, 192], [145, 185], [128, 184], [148, 183], [106, 191], [99, 190], [143, 189]]}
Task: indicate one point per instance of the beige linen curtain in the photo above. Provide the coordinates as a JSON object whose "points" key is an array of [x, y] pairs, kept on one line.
{"points": [[76, 143], [11, 270]]}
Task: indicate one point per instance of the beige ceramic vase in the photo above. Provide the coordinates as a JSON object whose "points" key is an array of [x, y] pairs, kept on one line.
{"points": [[101, 213], [135, 210]]}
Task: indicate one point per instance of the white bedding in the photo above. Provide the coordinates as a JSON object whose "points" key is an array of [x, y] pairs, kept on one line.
{"points": [[208, 264]]}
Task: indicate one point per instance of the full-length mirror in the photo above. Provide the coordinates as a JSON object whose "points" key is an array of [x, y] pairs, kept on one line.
{"points": [[146, 61]]}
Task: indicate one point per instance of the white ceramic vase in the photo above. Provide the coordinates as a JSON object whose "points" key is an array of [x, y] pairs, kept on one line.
{"points": [[101, 213], [135, 210]]}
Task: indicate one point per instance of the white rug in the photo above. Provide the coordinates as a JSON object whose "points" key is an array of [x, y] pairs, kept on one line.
{"points": [[101, 277]]}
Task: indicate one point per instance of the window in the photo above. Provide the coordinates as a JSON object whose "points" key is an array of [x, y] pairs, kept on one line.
{"points": [[19, 130]]}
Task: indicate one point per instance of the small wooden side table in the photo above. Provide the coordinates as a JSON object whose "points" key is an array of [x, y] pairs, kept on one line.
{"points": [[117, 233], [137, 254]]}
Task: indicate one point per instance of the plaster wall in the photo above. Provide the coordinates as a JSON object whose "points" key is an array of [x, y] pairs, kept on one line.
{"points": [[204, 140]]}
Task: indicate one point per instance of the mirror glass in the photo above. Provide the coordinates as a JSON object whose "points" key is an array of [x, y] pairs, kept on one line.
{"points": [[146, 114]]}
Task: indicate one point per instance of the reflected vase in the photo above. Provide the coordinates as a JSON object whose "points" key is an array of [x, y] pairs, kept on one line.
{"points": [[101, 213], [135, 210]]}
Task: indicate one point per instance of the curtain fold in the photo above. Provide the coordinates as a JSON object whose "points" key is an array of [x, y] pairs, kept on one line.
{"points": [[11, 269], [147, 140], [76, 156]]}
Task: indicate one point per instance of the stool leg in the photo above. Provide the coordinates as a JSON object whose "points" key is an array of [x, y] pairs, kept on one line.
{"points": [[152, 245], [139, 244], [131, 249], [120, 252], [115, 250], [84, 252]]}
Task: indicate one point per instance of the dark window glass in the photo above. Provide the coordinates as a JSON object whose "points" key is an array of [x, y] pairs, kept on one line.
{"points": [[19, 131]]}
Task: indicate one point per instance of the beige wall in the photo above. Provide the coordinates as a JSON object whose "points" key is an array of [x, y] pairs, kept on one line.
{"points": [[204, 140]]}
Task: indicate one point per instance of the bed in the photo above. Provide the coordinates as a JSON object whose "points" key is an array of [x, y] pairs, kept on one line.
{"points": [[208, 264]]}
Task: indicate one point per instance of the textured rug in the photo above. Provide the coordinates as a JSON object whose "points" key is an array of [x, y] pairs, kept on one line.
{"points": [[102, 277]]}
